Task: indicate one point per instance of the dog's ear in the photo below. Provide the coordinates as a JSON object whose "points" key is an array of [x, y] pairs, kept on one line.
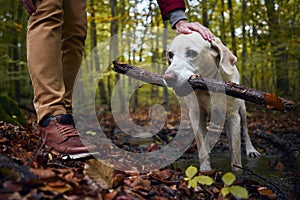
{"points": [[224, 58]]}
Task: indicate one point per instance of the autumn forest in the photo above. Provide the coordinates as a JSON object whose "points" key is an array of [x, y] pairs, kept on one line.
{"points": [[263, 34]]}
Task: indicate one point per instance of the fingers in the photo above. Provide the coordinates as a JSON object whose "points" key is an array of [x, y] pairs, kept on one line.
{"points": [[204, 32], [187, 27], [184, 30], [181, 27]]}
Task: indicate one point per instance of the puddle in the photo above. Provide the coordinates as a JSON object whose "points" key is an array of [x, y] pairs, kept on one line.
{"points": [[259, 166]]}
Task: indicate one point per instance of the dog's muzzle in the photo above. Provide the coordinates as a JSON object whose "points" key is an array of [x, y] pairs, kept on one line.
{"points": [[171, 80]]}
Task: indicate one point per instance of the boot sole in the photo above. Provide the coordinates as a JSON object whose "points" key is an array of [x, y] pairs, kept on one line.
{"points": [[71, 156], [78, 156]]}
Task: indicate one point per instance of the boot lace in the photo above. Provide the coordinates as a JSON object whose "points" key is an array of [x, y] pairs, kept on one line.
{"points": [[66, 130]]}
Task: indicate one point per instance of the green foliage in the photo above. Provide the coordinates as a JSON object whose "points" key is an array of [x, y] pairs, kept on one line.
{"points": [[236, 190], [194, 180], [228, 179], [10, 112], [14, 79]]}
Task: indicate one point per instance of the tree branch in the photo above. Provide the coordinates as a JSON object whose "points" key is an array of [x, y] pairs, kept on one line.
{"points": [[271, 101]]}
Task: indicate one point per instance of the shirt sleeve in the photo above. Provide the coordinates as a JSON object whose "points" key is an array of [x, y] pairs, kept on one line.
{"points": [[175, 16], [167, 6]]}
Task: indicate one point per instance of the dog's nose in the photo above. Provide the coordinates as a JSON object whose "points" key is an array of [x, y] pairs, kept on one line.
{"points": [[170, 78]]}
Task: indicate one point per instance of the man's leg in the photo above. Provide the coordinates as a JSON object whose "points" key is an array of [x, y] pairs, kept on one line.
{"points": [[74, 34], [44, 58], [45, 55]]}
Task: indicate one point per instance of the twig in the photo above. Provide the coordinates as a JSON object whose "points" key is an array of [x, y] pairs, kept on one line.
{"points": [[263, 178]]}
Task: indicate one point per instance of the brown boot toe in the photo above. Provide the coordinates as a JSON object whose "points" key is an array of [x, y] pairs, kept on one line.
{"points": [[61, 137]]}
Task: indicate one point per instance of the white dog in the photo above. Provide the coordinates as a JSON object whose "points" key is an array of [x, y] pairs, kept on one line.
{"points": [[191, 55]]}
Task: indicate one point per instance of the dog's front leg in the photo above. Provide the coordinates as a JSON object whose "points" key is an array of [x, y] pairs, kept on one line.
{"points": [[198, 122], [203, 151], [232, 126], [250, 150]]}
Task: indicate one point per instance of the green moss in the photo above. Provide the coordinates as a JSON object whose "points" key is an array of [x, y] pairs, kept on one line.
{"points": [[10, 111]]}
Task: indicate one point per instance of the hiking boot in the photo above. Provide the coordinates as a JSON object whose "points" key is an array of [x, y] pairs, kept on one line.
{"points": [[61, 138]]}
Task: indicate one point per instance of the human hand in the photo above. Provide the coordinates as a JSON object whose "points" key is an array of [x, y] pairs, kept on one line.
{"points": [[185, 27], [29, 6]]}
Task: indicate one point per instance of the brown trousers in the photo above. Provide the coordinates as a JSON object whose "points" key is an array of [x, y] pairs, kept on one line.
{"points": [[56, 34]]}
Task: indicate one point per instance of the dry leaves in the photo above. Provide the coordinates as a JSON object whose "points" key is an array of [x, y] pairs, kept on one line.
{"points": [[29, 174], [99, 172]]}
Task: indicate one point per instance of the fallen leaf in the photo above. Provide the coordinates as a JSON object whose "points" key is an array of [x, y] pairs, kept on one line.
{"points": [[111, 195], [279, 166], [152, 147], [3, 140], [12, 186], [162, 174], [99, 172], [43, 173], [266, 192], [70, 178], [9, 173], [140, 182], [57, 187], [274, 102], [118, 179]]}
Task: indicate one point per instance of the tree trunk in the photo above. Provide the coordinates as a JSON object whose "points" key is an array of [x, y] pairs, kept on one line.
{"points": [[244, 50], [232, 27], [114, 45], [15, 54], [204, 13], [222, 25], [278, 52], [95, 64]]}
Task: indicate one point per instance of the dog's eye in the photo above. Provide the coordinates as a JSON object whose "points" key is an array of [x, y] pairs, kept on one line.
{"points": [[170, 57], [191, 53]]}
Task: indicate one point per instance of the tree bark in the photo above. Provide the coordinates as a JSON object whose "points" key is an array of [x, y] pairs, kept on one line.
{"points": [[244, 34], [264, 99], [205, 14], [96, 61], [222, 23], [277, 49], [15, 53], [232, 27]]}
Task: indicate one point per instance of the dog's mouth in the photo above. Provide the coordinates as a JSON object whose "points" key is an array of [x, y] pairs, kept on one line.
{"points": [[185, 89]]}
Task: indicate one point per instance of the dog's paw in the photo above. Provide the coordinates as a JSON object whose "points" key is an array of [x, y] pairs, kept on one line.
{"points": [[205, 167], [253, 153]]}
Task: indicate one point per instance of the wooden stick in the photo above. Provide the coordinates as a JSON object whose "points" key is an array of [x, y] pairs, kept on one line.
{"points": [[271, 101]]}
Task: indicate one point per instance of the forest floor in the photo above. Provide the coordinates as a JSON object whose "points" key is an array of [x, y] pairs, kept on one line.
{"points": [[27, 172]]}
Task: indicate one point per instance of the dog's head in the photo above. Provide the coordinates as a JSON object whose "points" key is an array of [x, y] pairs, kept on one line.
{"points": [[190, 54]]}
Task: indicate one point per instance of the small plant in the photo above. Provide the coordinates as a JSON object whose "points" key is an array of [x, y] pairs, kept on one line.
{"points": [[193, 180], [235, 190], [228, 179]]}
